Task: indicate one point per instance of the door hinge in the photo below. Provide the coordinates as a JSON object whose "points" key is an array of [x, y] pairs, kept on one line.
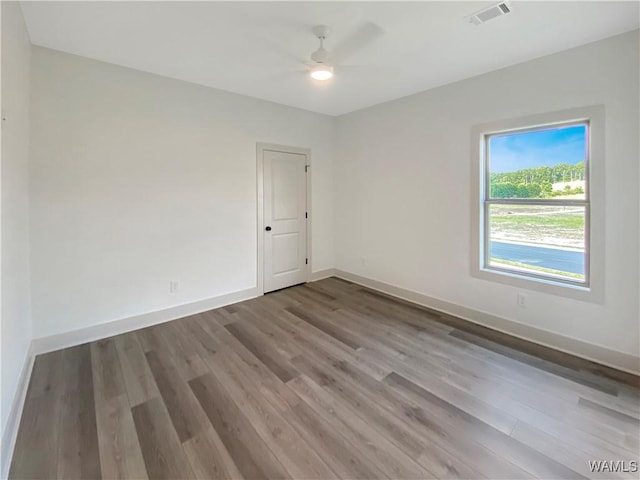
{"points": [[306, 261], [306, 214], [306, 168]]}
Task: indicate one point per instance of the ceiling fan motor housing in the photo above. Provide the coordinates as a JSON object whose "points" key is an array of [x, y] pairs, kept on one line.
{"points": [[321, 55]]}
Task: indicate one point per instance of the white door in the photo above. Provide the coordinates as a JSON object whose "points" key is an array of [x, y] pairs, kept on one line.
{"points": [[285, 222]]}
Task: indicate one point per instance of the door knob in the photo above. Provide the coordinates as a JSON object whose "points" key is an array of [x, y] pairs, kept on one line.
{"points": [[268, 229]]}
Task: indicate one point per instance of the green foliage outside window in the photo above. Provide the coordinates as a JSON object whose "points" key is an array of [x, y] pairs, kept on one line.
{"points": [[537, 182]]}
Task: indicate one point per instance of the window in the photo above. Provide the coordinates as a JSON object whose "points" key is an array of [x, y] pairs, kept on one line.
{"points": [[535, 185], [536, 205]]}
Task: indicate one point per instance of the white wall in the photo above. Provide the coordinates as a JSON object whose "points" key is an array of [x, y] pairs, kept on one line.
{"points": [[137, 180], [402, 188], [16, 310]]}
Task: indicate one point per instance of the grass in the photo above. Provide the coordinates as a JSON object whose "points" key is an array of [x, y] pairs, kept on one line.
{"points": [[555, 226], [523, 266], [573, 222]]}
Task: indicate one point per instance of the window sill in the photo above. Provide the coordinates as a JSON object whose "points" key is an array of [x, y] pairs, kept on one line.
{"points": [[584, 293]]}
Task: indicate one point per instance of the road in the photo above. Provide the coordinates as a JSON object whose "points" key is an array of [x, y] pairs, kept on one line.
{"points": [[555, 258]]}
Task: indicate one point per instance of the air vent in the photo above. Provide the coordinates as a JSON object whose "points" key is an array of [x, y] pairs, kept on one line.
{"points": [[489, 13]]}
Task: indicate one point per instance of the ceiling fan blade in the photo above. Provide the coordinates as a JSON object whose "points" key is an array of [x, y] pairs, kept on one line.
{"points": [[285, 75], [283, 52], [351, 70], [363, 36]]}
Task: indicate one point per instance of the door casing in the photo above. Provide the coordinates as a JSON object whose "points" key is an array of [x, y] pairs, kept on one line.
{"points": [[261, 148]]}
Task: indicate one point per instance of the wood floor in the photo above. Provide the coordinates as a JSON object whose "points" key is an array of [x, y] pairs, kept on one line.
{"points": [[323, 380]]}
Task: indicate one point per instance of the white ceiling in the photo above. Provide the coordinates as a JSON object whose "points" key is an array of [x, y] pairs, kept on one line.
{"points": [[258, 49]]}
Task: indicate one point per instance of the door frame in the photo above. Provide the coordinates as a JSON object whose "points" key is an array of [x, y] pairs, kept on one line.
{"points": [[260, 149]]}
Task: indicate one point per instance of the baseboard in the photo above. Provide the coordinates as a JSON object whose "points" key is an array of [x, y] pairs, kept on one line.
{"points": [[123, 325], [76, 337], [10, 433], [595, 353], [322, 274]]}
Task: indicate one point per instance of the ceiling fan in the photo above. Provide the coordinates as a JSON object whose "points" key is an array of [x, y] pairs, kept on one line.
{"points": [[322, 70], [322, 62]]}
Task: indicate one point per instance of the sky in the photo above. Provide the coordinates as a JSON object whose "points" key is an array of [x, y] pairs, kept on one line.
{"points": [[516, 151]]}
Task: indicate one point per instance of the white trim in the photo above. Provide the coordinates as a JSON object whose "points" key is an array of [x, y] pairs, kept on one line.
{"points": [[10, 434], [322, 274], [596, 353], [595, 292], [309, 172], [260, 149], [123, 325]]}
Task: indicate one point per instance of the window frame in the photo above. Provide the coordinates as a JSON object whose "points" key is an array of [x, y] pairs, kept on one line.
{"points": [[592, 289]]}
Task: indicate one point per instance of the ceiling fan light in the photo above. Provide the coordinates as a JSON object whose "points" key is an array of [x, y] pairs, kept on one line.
{"points": [[322, 71]]}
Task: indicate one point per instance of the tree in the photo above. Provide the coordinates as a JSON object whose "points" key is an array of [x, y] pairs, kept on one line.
{"points": [[534, 182]]}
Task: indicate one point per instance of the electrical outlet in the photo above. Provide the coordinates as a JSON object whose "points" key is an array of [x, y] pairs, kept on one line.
{"points": [[173, 286], [522, 300]]}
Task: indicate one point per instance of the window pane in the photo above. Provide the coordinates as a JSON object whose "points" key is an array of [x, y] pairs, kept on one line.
{"points": [[545, 163], [542, 240]]}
